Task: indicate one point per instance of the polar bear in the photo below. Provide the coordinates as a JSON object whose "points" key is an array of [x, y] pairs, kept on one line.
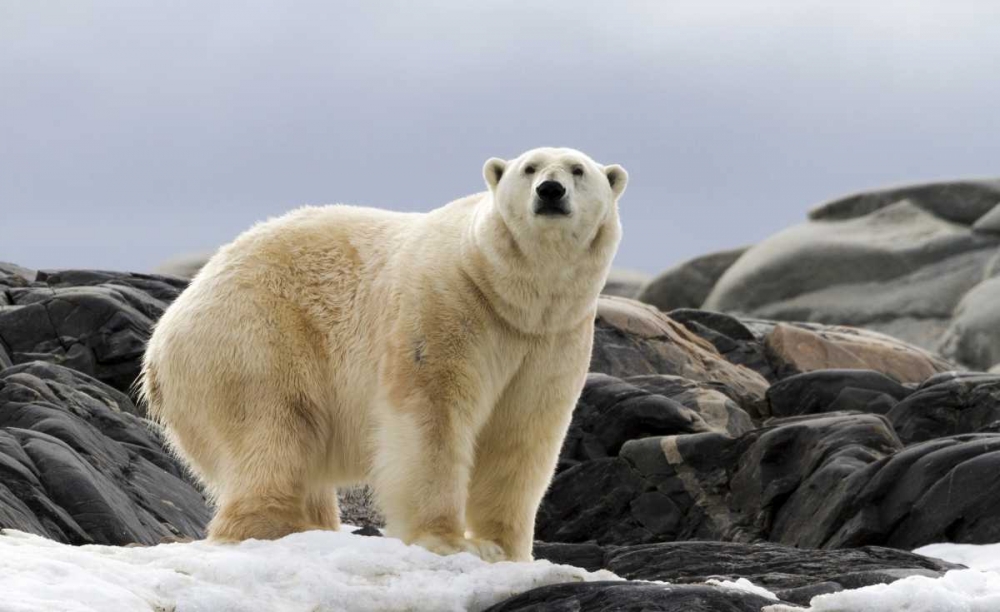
{"points": [[437, 357]]}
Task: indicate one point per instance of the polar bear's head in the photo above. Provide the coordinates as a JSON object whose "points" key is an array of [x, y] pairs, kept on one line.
{"points": [[556, 195]]}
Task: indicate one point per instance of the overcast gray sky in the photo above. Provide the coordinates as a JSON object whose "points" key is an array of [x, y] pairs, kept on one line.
{"points": [[134, 131]]}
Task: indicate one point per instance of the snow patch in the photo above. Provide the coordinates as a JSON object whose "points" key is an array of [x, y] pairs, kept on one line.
{"points": [[742, 584], [983, 557], [318, 570], [976, 589], [956, 591]]}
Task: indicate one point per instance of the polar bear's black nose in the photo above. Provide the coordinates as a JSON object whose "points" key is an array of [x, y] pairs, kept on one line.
{"points": [[550, 191]]}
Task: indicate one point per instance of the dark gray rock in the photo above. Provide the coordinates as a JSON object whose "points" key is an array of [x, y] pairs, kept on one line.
{"points": [[612, 411], [948, 404], [632, 597], [588, 555], [795, 575], [92, 322], [942, 490], [594, 501], [780, 569], [713, 402], [835, 391], [962, 202], [688, 284], [369, 531], [738, 342], [77, 465], [771, 483], [826, 480], [792, 480]]}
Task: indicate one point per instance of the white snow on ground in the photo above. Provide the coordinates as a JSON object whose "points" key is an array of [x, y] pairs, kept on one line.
{"points": [[742, 584], [319, 570], [984, 557], [324, 570], [976, 589]]}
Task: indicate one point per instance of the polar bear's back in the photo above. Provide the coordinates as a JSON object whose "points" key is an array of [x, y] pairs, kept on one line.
{"points": [[296, 306]]}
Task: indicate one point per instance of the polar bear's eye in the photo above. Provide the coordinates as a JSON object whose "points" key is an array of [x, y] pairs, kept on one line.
{"points": [[578, 171], [529, 170]]}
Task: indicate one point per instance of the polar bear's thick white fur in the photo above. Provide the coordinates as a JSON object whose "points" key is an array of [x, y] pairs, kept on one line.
{"points": [[437, 357]]}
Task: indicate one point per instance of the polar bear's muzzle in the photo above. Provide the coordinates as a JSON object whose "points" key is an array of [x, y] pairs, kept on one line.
{"points": [[550, 199]]}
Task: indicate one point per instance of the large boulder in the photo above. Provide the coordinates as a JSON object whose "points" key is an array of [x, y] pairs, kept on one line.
{"points": [[688, 284], [631, 338], [973, 338], [949, 404], [916, 262], [963, 202], [902, 268], [794, 349], [612, 411], [942, 490], [835, 391]]}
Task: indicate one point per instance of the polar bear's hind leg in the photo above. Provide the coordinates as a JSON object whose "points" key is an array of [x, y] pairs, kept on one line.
{"points": [[269, 490]]}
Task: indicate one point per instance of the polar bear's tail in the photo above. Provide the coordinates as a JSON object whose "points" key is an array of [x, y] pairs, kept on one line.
{"points": [[147, 389]]}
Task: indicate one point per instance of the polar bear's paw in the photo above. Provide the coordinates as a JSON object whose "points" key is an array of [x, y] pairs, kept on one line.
{"points": [[487, 550]]}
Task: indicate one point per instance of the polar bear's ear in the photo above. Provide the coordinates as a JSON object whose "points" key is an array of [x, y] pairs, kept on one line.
{"points": [[617, 177], [493, 170]]}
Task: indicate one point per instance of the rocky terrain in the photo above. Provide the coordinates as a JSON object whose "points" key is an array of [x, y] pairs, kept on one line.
{"points": [[921, 263], [800, 413], [799, 456]]}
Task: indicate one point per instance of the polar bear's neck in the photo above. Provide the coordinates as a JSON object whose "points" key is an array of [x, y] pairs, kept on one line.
{"points": [[537, 287]]}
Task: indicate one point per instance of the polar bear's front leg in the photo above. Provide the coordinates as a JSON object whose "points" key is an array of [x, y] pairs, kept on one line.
{"points": [[424, 443], [519, 446]]}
